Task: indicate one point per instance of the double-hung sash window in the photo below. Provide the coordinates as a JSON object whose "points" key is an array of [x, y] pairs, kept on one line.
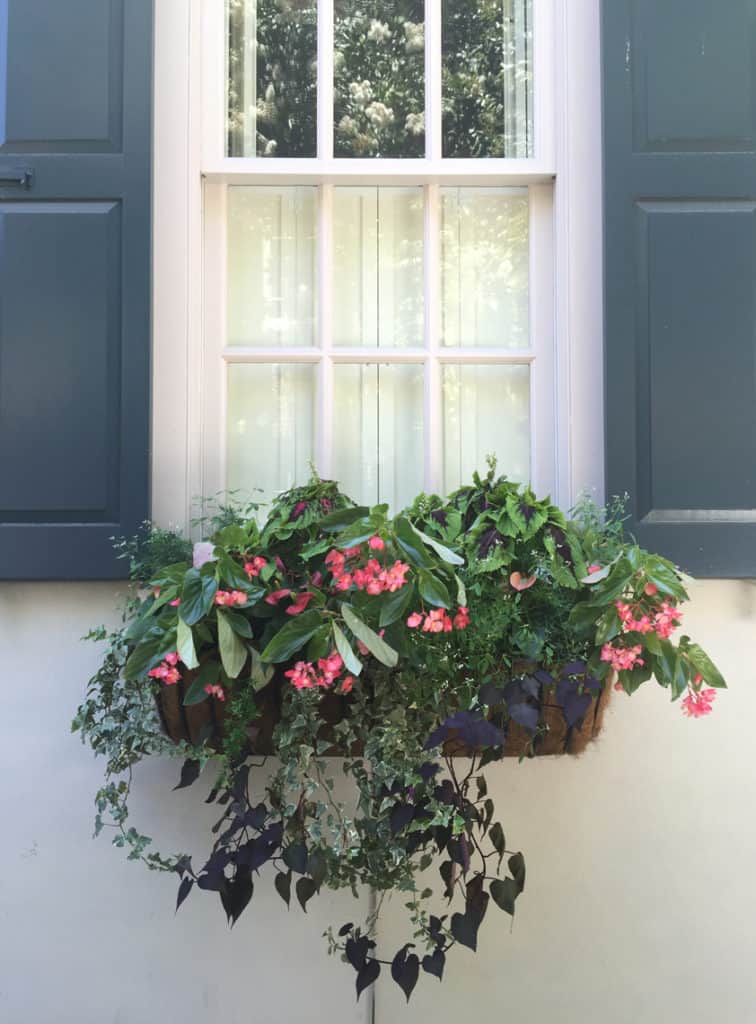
{"points": [[378, 244]]}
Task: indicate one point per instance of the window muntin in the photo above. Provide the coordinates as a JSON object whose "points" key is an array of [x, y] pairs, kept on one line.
{"points": [[383, 80], [512, 329]]}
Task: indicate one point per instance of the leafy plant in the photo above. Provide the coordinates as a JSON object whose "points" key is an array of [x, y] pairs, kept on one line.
{"points": [[415, 648]]}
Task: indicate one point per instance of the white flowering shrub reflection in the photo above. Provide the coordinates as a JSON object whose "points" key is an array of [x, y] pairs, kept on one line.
{"points": [[272, 85], [379, 78], [379, 70], [487, 78]]}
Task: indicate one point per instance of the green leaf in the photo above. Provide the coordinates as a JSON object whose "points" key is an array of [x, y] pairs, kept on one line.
{"points": [[261, 673], [232, 651], [208, 675], [342, 518], [461, 592], [240, 625], [234, 576], [449, 556], [292, 637], [197, 596], [148, 654], [355, 534], [411, 543], [679, 678], [394, 606], [352, 663], [185, 645], [433, 590], [706, 667], [377, 647], [663, 574], [233, 536]]}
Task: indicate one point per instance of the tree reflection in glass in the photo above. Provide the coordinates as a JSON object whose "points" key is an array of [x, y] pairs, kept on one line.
{"points": [[379, 72], [272, 68], [487, 78]]}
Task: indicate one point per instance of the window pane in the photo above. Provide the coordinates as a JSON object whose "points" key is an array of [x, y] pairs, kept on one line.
{"points": [[271, 426], [272, 277], [378, 440], [486, 412], [485, 257], [378, 253], [272, 92], [488, 78], [379, 72]]}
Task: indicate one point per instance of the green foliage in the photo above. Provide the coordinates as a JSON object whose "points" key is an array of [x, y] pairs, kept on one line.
{"points": [[391, 640]]}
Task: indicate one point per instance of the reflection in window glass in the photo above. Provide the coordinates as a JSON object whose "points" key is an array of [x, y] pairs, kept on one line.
{"points": [[270, 427], [378, 440], [379, 69], [486, 411], [488, 78], [272, 284], [378, 268], [484, 269], [272, 91]]}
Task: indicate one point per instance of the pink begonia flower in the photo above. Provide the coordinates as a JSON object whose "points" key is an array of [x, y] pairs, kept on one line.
{"points": [[276, 596], [176, 603], [214, 690], [302, 675], [667, 620], [519, 582], [317, 579], [352, 552], [650, 589], [697, 704], [299, 603], [414, 620], [344, 581], [253, 568], [377, 544], [166, 671], [203, 553], [622, 659], [347, 684], [593, 568], [462, 618]]}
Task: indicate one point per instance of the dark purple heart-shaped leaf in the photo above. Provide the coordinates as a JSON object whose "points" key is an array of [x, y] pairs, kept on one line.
{"points": [[367, 975], [405, 971], [434, 964]]}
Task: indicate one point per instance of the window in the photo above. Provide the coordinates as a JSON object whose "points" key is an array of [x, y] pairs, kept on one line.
{"points": [[378, 244]]}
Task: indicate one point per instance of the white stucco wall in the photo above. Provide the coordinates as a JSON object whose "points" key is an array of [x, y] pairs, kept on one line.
{"points": [[640, 905]]}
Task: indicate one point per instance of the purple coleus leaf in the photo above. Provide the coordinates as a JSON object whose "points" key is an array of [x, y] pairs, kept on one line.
{"points": [[468, 727]]}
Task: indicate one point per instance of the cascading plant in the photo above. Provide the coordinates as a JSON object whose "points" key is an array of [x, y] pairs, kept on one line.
{"points": [[404, 653]]}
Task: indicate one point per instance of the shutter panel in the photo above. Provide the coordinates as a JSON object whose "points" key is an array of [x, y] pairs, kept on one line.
{"points": [[680, 276], [75, 240]]}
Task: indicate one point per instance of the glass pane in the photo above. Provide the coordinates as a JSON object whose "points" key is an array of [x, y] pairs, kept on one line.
{"points": [[488, 78], [271, 426], [379, 78], [485, 260], [272, 91], [378, 254], [486, 412], [272, 275], [378, 440]]}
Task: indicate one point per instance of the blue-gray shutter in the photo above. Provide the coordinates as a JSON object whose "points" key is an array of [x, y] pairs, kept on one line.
{"points": [[680, 285], [75, 251]]}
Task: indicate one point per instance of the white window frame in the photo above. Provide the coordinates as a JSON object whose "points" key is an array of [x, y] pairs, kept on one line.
{"points": [[191, 178]]}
